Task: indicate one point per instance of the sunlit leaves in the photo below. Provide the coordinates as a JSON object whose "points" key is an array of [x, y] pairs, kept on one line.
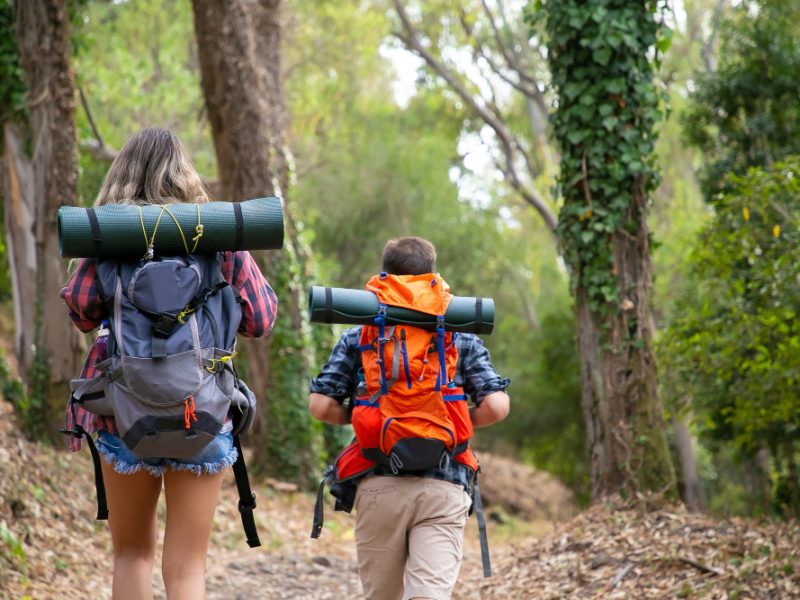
{"points": [[734, 343]]}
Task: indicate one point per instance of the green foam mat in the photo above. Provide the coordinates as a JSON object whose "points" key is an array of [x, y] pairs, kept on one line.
{"points": [[359, 307], [122, 230]]}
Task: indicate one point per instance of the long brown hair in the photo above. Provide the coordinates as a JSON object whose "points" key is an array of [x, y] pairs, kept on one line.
{"points": [[151, 168]]}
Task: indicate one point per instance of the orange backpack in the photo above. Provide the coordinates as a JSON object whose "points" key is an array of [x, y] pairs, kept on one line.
{"points": [[408, 414]]}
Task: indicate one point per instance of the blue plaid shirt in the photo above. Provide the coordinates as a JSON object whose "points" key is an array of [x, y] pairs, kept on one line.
{"points": [[474, 372]]}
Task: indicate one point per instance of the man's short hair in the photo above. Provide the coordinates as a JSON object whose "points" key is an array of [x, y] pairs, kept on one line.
{"points": [[409, 256]]}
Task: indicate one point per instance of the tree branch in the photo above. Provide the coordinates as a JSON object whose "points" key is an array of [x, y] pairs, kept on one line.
{"points": [[707, 49], [483, 112]]}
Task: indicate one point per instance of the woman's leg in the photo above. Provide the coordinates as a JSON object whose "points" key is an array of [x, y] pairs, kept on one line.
{"points": [[191, 502], [132, 502]]}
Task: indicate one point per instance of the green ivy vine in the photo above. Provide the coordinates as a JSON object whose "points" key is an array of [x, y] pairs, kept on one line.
{"points": [[603, 55]]}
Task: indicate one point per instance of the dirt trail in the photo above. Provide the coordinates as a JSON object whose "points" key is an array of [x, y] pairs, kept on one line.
{"points": [[52, 548]]}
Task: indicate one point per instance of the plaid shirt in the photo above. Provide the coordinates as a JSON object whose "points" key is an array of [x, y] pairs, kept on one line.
{"points": [[87, 310], [474, 372]]}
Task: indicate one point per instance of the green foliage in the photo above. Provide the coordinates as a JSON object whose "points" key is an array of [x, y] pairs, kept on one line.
{"points": [[137, 65], [603, 54], [12, 83], [370, 170], [14, 546], [10, 387], [734, 343], [292, 440], [746, 113], [546, 425]]}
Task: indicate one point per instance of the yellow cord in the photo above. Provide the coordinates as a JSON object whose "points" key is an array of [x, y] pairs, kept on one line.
{"points": [[186, 311], [222, 359], [150, 242], [199, 229]]}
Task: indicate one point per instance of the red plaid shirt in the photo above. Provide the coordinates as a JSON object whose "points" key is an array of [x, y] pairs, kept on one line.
{"points": [[87, 310]]}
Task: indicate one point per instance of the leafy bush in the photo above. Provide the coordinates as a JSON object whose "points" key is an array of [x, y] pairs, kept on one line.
{"points": [[734, 343]]}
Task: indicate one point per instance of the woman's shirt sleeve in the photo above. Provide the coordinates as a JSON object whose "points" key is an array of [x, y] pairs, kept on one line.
{"points": [[258, 300], [82, 297]]}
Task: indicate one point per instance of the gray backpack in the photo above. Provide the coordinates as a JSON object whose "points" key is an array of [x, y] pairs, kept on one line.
{"points": [[169, 381]]}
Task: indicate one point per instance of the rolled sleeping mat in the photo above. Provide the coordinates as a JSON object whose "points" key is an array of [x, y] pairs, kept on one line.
{"points": [[359, 307], [125, 230]]}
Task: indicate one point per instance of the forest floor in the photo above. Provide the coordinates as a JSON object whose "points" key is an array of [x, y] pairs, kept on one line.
{"points": [[51, 546]]}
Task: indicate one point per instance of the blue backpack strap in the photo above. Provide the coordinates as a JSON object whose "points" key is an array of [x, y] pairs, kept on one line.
{"points": [[441, 379], [404, 351], [380, 321]]}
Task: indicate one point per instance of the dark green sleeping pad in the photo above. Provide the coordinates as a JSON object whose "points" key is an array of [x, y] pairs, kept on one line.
{"points": [[126, 230], [359, 307]]}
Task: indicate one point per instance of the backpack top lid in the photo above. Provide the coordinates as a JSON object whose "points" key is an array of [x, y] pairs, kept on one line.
{"points": [[427, 293]]}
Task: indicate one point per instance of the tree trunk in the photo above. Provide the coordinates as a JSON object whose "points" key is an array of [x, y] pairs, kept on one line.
{"points": [[605, 125], [38, 183], [621, 406], [240, 65], [693, 495]]}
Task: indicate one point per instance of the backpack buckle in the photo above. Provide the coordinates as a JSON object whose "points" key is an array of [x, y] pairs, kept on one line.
{"points": [[164, 325], [247, 506]]}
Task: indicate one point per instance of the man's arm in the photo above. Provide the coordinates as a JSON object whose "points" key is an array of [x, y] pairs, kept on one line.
{"points": [[326, 409], [493, 408]]}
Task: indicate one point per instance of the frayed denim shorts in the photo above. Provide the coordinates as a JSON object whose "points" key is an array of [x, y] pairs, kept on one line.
{"points": [[217, 456]]}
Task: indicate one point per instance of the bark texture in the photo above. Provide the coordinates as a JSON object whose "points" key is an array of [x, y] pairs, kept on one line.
{"points": [[621, 405], [41, 175], [240, 64]]}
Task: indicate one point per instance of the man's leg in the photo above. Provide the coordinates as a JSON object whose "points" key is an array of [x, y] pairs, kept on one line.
{"points": [[382, 514], [435, 540]]}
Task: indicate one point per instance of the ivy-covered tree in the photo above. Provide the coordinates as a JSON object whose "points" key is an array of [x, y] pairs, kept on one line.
{"points": [[603, 54]]}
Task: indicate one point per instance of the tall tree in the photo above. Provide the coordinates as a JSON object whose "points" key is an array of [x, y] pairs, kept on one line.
{"points": [[600, 56], [239, 46], [41, 175]]}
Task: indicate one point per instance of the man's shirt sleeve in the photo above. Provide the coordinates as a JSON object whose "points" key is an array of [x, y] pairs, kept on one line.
{"points": [[339, 375], [479, 377]]}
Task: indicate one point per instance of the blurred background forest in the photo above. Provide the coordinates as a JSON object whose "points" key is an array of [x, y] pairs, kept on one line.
{"points": [[435, 118]]}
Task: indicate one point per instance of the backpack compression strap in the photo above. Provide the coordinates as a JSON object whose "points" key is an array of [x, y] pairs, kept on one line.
{"points": [[247, 499]]}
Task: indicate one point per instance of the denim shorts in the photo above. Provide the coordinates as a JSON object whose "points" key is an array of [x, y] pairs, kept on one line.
{"points": [[217, 456]]}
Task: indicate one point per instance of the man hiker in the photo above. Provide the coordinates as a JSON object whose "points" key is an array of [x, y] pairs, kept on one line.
{"points": [[410, 469]]}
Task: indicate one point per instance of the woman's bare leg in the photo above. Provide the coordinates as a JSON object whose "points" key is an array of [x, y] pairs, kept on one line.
{"points": [[191, 502], [132, 503]]}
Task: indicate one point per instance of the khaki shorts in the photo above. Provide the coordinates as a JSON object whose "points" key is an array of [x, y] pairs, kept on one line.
{"points": [[409, 536]]}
